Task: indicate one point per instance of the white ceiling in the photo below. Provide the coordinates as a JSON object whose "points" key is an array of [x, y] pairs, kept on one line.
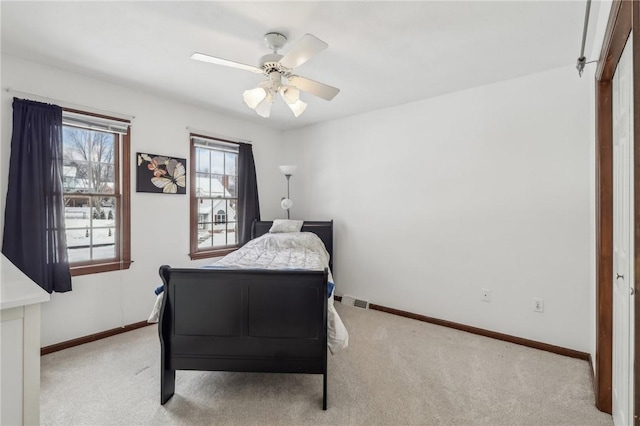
{"points": [[380, 53]]}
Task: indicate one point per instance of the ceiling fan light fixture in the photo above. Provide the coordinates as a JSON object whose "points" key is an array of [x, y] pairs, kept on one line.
{"points": [[271, 95], [297, 107], [253, 97], [263, 109], [290, 94], [279, 69]]}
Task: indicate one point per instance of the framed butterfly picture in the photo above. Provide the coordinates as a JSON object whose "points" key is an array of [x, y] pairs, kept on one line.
{"points": [[161, 174]]}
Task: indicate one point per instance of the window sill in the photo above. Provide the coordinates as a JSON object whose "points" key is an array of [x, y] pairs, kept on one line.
{"points": [[97, 268], [212, 253]]}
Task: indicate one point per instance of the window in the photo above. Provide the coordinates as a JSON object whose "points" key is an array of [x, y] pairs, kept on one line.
{"points": [[96, 185], [214, 197]]}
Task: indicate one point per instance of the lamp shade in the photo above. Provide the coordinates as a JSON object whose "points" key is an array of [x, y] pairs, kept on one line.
{"points": [[286, 203], [263, 109], [290, 94], [297, 107], [253, 97], [288, 170]]}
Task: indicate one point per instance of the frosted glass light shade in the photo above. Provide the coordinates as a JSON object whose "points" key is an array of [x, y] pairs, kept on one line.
{"points": [[288, 170], [290, 94], [298, 107], [264, 108], [286, 203], [253, 97]]}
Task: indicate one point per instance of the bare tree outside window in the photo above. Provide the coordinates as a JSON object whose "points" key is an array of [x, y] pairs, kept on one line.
{"points": [[89, 163]]}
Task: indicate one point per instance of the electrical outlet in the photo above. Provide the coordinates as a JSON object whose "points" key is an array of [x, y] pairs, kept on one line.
{"points": [[538, 304], [486, 295]]}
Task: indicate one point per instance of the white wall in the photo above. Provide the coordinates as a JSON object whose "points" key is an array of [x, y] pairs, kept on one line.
{"points": [[433, 201], [160, 223], [438, 199]]}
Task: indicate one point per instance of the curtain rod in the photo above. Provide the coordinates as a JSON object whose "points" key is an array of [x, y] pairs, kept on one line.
{"points": [[216, 136], [66, 104], [582, 60]]}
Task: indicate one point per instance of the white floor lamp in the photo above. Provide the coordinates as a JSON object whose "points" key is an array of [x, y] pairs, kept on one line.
{"points": [[286, 203]]}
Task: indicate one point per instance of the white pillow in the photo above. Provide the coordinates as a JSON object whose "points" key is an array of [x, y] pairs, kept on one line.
{"points": [[286, 225]]}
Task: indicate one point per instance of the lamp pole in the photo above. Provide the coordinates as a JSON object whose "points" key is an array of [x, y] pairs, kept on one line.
{"points": [[288, 198]]}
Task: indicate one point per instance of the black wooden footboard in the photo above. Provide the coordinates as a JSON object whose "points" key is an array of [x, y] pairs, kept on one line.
{"points": [[243, 320]]}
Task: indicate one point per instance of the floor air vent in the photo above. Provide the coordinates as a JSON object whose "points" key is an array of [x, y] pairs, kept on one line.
{"points": [[352, 301]]}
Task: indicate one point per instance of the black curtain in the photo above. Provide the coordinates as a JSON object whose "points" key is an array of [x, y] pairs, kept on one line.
{"points": [[248, 205], [34, 235]]}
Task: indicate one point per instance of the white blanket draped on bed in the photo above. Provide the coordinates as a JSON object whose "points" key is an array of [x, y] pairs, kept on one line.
{"points": [[291, 250]]}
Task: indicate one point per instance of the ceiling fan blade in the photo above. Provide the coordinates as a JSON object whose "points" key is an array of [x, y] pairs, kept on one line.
{"points": [[302, 51], [320, 90], [219, 61]]}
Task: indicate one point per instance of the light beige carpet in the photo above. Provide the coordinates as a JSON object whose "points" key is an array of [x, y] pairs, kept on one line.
{"points": [[396, 371]]}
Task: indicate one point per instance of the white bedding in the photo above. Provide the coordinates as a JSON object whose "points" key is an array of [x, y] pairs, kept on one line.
{"points": [[291, 250]]}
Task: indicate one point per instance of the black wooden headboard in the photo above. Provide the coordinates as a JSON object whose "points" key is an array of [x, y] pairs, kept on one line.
{"points": [[322, 228]]}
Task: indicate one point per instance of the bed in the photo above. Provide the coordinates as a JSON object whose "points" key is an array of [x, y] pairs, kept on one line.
{"points": [[232, 316]]}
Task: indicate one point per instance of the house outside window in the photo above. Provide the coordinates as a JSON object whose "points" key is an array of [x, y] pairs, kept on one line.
{"points": [[96, 185], [214, 196], [221, 217]]}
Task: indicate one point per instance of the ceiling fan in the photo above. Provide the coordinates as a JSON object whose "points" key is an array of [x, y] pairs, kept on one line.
{"points": [[279, 70]]}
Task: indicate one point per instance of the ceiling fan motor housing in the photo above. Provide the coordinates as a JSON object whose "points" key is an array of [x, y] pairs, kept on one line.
{"points": [[271, 62]]}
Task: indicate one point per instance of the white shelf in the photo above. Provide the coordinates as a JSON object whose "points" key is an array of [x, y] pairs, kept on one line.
{"points": [[16, 289]]}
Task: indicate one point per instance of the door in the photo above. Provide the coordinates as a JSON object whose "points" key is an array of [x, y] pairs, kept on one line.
{"points": [[622, 377]]}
